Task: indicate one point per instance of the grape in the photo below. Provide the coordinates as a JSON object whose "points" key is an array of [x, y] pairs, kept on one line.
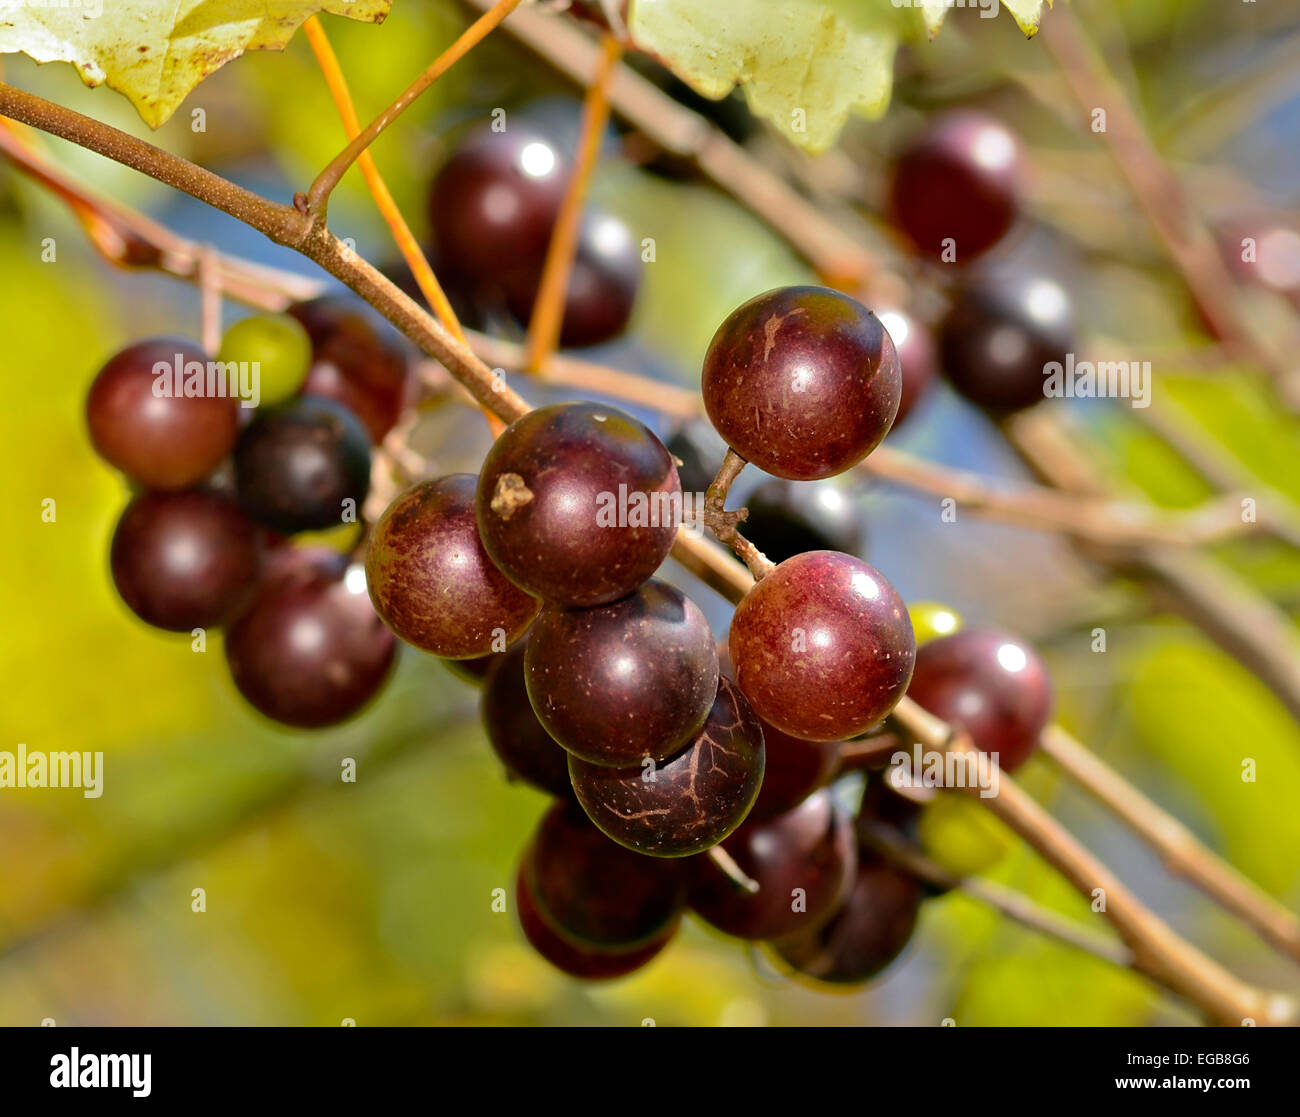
{"points": [[700, 450], [296, 465], [164, 441], [494, 202], [989, 683], [795, 769], [931, 619], [620, 682], [184, 560], [962, 836], [586, 962], [881, 803], [602, 288], [278, 346], [473, 670], [520, 741], [959, 179], [867, 932], [557, 488], [356, 361], [822, 646], [308, 649], [803, 862], [786, 519], [999, 335], [596, 893], [802, 381], [689, 802], [918, 363], [431, 580]]}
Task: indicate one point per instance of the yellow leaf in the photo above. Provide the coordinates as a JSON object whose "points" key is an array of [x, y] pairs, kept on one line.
{"points": [[156, 51]]}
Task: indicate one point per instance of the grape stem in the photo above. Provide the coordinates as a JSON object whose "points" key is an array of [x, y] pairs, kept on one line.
{"points": [[209, 280], [723, 523], [727, 865]]}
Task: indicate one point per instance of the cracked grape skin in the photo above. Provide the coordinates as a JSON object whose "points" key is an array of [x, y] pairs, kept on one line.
{"points": [[431, 580], [822, 647], [695, 799], [802, 381], [812, 848], [617, 683], [551, 511]]}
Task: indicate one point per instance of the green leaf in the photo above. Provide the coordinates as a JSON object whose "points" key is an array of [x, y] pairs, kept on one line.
{"points": [[156, 51]]}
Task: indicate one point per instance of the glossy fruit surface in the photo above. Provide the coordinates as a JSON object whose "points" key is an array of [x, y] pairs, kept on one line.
{"points": [[617, 683], [990, 683], [688, 802], [184, 560], [303, 466], [787, 518], [578, 503], [521, 742], [140, 423], [918, 360], [999, 336], [802, 381], [277, 346], [308, 649], [795, 769], [822, 647], [431, 580], [959, 180], [803, 862]]}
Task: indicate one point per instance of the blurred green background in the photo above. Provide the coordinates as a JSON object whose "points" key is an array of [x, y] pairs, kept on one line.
{"points": [[372, 901]]}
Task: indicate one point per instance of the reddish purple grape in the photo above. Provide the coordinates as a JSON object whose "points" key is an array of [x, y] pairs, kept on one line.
{"points": [[596, 893], [822, 646], [521, 742], [795, 769], [357, 361], [868, 930], [918, 363], [494, 203], [303, 466], [603, 284], [959, 180], [617, 683], [432, 582], [802, 381], [163, 441], [803, 862], [688, 802], [308, 650], [578, 503], [581, 961], [990, 683], [787, 518], [999, 336], [184, 560]]}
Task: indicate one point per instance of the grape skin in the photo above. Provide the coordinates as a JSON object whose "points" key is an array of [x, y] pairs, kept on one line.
{"points": [[520, 741]]}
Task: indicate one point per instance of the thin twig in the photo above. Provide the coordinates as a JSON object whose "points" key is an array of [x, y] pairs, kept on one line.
{"points": [[209, 300]]}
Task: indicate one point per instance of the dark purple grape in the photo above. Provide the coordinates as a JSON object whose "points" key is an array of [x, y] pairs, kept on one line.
{"points": [[585, 962], [617, 683], [596, 893], [700, 450], [494, 203], [165, 440], [303, 466], [787, 518], [999, 336], [689, 802], [990, 683], [868, 930], [184, 560], [803, 862], [578, 503], [959, 180], [431, 580], [308, 650], [520, 741], [357, 361], [881, 803], [795, 769], [802, 381], [822, 647], [918, 363], [603, 284]]}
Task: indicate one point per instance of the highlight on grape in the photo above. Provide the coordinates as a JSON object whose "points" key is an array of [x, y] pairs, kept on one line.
{"points": [[640, 509]]}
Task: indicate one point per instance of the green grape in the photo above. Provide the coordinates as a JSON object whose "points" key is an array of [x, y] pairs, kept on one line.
{"points": [[931, 619], [962, 836], [278, 346]]}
